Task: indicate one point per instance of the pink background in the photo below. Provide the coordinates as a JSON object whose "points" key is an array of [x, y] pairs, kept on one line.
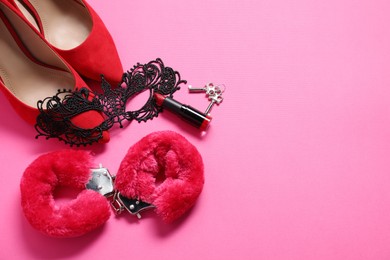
{"points": [[297, 158]]}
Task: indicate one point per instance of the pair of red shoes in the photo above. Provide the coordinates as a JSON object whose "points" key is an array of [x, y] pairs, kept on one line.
{"points": [[45, 45]]}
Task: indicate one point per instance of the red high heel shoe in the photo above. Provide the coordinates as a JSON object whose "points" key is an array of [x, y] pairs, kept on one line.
{"points": [[30, 70], [77, 33]]}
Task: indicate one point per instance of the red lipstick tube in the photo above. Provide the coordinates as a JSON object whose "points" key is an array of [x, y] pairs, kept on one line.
{"points": [[189, 114]]}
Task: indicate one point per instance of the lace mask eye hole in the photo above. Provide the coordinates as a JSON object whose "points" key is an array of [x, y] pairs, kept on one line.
{"points": [[140, 104]]}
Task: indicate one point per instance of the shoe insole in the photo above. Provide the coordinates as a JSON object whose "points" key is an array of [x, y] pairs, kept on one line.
{"points": [[66, 24], [26, 79], [22, 7]]}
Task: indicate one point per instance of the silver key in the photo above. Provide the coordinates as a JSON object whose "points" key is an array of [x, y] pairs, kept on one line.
{"points": [[192, 89], [215, 99], [209, 89], [213, 90], [213, 93]]}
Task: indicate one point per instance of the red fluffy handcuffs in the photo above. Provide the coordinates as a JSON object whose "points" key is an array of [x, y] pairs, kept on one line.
{"points": [[162, 171]]}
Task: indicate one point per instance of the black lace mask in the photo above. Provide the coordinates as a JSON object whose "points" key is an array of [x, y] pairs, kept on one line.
{"points": [[54, 120]]}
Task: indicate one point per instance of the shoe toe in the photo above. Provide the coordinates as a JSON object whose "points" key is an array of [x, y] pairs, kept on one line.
{"points": [[105, 137]]}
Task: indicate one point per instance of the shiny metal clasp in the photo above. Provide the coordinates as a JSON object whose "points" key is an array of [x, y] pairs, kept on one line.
{"points": [[133, 206], [101, 181]]}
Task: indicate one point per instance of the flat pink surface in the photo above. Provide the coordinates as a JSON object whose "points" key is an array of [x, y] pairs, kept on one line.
{"points": [[296, 160]]}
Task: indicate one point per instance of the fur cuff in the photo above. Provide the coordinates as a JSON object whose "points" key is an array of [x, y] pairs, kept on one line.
{"points": [[165, 170], [67, 168]]}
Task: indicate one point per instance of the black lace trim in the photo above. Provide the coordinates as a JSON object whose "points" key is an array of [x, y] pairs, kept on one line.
{"points": [[55, 113]]}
